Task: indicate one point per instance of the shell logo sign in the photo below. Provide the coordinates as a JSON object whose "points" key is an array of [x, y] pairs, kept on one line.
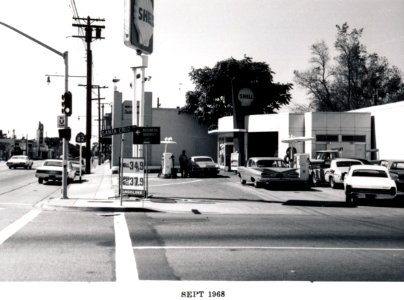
{"points": [[139, 25], [246, 96]]}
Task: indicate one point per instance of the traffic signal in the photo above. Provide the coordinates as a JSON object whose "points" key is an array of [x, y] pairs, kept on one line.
{"points": [[67, 104]]}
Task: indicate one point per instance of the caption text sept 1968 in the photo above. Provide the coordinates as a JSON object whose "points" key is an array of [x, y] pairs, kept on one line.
{"points": [[203, 294]]}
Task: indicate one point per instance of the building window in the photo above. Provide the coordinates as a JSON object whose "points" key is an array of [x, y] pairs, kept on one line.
{"points": [[327, 138], [354, 138]]}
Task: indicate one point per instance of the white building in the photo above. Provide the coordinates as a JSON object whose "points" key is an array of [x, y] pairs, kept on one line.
{"points": [[387, 122], [263, 134]]}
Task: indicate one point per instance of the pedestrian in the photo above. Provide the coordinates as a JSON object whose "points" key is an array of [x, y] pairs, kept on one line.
{"points": [[183, 158]]}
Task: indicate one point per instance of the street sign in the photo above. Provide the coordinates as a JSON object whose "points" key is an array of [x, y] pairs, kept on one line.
{"points": [[146, 135], [61, 121], [80, 138], [118, 130], [133, 179]]}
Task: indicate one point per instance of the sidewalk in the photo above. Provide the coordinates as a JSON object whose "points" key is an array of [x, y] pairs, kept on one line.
{"points": [[99, 192]]}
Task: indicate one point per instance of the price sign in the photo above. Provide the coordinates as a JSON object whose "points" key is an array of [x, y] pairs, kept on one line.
{"points": [[133, 179]]}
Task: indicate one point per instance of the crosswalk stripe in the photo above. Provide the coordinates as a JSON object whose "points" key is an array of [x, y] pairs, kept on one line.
{"points": [[11, 229], [126, 268]]}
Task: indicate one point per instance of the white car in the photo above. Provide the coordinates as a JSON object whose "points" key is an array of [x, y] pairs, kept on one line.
{"points": [[19, 161], [369, 181], [52, 170], [339, 167]]}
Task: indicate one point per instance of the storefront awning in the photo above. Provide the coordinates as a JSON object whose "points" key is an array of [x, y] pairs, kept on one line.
{"points": [[217, 131], [297, 139]]}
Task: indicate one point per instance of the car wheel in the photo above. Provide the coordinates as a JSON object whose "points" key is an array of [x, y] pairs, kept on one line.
{"points": [[332, 183], [243, 181], [40, 180]]}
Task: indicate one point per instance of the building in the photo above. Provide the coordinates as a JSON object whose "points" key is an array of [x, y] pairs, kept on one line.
{"points": [[181, 127], [387, 121], [264, 134]]}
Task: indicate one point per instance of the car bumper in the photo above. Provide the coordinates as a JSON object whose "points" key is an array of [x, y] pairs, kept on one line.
{"points": [[21, 165], [372, 193], [280, 180], [49, 176], [206, 171]]}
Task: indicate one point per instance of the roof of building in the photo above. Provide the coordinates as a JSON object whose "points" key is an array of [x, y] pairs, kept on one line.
{"points": [[394, 105]]}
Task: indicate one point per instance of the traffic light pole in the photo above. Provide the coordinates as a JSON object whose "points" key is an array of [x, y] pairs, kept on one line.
{"points": [[65, 141], [65, 56]]}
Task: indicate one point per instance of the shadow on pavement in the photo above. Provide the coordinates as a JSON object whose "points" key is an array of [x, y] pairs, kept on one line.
{"points": [[207, 200], [397, 203], [317, 203]]}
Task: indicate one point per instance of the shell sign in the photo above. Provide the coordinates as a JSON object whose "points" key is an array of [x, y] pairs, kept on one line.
{"points": [[139, 25], [245, 96]]}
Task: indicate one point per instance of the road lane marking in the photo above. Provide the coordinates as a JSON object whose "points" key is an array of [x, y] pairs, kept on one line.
{"points": [[176, 183], [16, 203], [125, 262], [263, 248], [13, 228]]}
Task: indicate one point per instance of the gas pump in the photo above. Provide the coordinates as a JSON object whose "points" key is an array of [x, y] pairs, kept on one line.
{"points": [[302, 165], [167, 159]]}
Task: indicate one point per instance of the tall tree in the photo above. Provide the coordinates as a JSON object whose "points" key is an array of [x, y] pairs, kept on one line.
{"points": [[357, 79], [217, 87]]}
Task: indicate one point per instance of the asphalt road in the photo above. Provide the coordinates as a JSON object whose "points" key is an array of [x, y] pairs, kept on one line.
{"points": [[308, 236]]}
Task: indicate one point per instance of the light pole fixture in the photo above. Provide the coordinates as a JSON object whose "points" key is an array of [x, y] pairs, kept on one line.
{"points": [[48, 80], [65, 56]]}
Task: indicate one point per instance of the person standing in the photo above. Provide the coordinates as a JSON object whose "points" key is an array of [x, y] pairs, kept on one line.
{"points": [[183, 158]]}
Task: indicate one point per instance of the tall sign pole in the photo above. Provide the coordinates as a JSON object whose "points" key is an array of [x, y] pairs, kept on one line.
{"points": [[138, 34]]}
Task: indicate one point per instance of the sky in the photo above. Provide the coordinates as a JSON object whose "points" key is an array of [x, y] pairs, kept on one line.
{"points": [[187, 33]]}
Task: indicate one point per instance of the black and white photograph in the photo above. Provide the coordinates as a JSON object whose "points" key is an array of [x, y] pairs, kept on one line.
{"points": [[216, 149]]}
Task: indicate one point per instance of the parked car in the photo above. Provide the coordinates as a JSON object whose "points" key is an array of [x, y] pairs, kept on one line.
{"points": [[19, 161], [52, 169], [203, 166], [264, 170], [369, 181], [396, 170], [76, 165], [338, 169]]}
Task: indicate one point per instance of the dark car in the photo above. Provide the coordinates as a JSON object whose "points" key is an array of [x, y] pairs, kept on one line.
{"points": [[396, 170], [203, 166]]}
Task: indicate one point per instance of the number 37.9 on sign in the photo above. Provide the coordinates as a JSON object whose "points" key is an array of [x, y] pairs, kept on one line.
{"points": [[132, 181]]}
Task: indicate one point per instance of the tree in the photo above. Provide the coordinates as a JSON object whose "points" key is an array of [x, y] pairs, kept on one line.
{"points": [[217, 87], [356, 80]]}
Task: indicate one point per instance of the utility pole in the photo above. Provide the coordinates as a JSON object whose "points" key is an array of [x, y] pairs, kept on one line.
{"points": [[89, 28], [99, 115]]}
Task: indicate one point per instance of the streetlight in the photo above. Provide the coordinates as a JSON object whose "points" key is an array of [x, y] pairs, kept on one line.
{"points": [[65, 56]]}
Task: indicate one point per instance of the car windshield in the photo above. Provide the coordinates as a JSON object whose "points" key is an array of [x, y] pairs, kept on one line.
{"points": [[369, 173], [53, 163], [203, 159], [342, 164], [268, 163], [397, 166], [18, 157]]}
